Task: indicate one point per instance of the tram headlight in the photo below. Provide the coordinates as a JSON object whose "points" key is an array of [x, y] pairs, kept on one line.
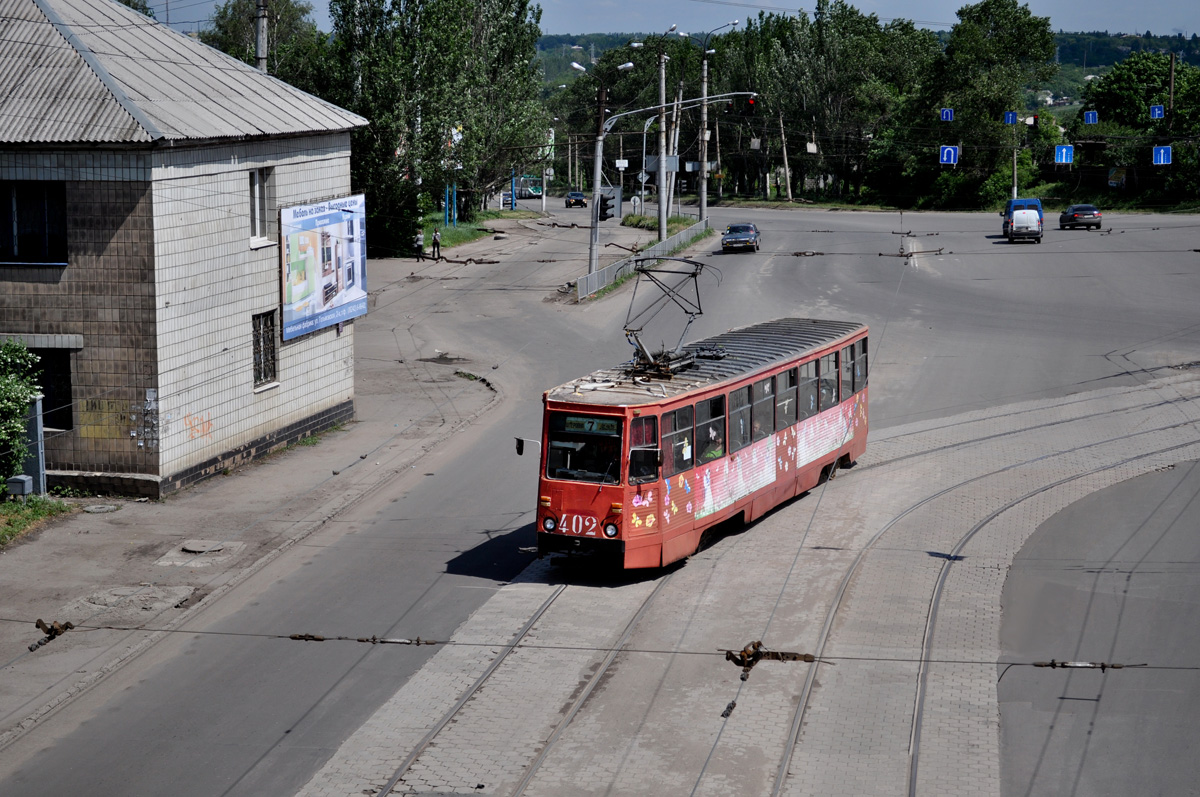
{"points": [[610, 529], [549, 523]]}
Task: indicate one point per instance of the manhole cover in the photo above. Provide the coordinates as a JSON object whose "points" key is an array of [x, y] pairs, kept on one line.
{"points": [[203, 546], [100, 509]]}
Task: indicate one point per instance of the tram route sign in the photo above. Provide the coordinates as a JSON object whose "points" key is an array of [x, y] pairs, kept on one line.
{"points": [[1156, 112], [1010, 117], [947, 115], [948, 156], [1064, 153], [1162, 156]]}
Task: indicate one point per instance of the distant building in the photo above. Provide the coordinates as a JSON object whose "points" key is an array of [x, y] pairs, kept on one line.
{"points": [[141, 177]]}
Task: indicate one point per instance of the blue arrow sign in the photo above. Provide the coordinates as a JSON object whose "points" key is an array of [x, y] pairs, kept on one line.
{"points": [[1091, 117], [1156, 112], [948, 155], [1064, 153], [1162, 156], [1010, 117], [947, 114]]}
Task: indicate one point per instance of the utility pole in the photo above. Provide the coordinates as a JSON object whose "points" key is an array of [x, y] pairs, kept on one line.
{"points": [[662, 144], [260, 35]]}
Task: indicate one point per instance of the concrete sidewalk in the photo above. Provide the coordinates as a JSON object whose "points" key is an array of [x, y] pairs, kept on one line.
{"points": [[126, 564]]}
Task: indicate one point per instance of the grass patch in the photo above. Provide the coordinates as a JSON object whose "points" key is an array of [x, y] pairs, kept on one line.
{"points": [[466, 232], [674, 223], [19, 517]]}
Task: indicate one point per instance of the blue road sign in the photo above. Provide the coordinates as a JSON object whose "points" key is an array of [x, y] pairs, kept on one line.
{"points": [[1091, 117], [1162, 156], [1156, 112], [948, 155], [947, 114], [1064, 153], [1010, 117]]}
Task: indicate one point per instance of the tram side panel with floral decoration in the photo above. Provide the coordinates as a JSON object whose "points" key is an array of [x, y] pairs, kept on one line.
{"points": [[640, 483]]}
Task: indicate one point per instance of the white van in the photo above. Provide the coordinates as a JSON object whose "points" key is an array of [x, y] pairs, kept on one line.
{"points": [[1025, 224], [1029, 227]]}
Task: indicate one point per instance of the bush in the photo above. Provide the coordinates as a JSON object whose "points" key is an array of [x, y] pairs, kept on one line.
{"points": [[17, 390]]}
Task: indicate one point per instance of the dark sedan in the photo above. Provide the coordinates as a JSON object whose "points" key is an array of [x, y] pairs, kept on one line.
{"points": [[1084, 216], [576, 199], [740, 236]]}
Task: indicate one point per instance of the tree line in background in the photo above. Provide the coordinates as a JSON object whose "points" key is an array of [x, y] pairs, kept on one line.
{"points": [[464, 92]]}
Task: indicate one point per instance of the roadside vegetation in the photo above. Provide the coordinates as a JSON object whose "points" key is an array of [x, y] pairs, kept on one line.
{"points": [[465, 232], [19, 517]]}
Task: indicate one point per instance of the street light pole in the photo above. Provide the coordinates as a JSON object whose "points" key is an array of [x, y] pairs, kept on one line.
{"points": [[645, 129], [704, 118], [597, 162], [660, 177]]}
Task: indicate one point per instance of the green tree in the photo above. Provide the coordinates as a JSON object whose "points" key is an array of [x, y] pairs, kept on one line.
{"points": [[141, 6], [1125, 93], [295, 47], [844, 77], [450, 88], [17, 389], [996, 51]]}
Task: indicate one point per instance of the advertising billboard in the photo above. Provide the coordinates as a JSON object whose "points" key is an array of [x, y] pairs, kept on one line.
{"points": [[324, 264]]}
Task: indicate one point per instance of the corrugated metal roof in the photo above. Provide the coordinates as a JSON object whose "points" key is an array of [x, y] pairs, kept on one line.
{"points": [[745, 349], [96, 71]]}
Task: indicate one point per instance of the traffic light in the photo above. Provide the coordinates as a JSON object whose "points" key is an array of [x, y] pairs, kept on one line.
{"points": [[750, 105], [1035, 120], [605, 207]]}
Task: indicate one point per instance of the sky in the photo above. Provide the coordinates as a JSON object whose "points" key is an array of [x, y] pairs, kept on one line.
{"points": [[1160, 17]]}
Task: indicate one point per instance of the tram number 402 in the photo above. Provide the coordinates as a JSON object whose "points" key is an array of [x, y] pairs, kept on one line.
{"points": [[579, 524]]}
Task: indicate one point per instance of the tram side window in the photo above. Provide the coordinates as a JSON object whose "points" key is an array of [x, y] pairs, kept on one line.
{"points": [[854, 368], [785, 400], [643, 450], [860, 366], [848, 371], [677, 441], [808, 389], [710, 429], [828, 376], [739, 418], [763, 413]]}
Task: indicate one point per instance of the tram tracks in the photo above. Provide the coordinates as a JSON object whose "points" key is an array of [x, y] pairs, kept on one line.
{"points": [[549, 751], [952, 556]]}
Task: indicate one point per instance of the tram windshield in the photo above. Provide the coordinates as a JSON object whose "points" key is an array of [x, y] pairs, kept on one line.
{"points": [[584, 448]]}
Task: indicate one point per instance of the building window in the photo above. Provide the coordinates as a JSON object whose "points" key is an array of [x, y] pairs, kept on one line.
{"points": [[261, 204], [33, 222], [55, 384], [264, 349]]}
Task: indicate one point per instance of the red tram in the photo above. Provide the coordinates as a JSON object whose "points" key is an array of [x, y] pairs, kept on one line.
{"points": [[638, 460]]}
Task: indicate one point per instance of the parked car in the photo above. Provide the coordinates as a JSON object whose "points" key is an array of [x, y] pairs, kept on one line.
{"points": [[576, 199], [740, 236], [1085, 216]]}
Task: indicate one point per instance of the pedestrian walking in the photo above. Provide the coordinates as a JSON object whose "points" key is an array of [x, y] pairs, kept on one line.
{"points": [[419, 245], [437, 244]]}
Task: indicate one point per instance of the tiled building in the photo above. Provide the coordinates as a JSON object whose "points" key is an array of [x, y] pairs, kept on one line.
{"points": [[141, 174]]}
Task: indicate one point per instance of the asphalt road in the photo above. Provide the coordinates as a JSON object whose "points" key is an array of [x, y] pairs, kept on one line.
{"points": [[970, 323]]}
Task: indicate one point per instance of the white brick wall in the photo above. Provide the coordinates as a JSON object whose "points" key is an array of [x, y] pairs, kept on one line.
{"points": [[211, 280]]}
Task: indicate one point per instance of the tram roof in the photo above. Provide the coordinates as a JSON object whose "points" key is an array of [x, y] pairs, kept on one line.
{"points": [[746, 350]]}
